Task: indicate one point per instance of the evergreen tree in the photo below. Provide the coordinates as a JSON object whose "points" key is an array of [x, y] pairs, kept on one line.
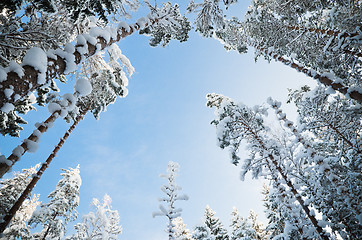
{"points": [[11, 188], [278, 159], [171, 190], [54, 215], [212, 229], [294, 35], [240, 228], [18, 227], [202, 233], [19, 81], [104, 223], [259, 232], [180, 230]]}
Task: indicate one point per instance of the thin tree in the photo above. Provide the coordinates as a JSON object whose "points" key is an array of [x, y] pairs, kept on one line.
{"points": [[11, 213], [171, 189]]}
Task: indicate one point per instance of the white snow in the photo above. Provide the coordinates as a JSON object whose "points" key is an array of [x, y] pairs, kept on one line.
{"points": [[32, 146], [16, 97], [51, 54], [7, 107], [69, 48], [37, 133], [91, 39], [32, 98], [36, 58], [53, 107], [68, 101], [69, 59], [3, 74], [83, 87], [142, 22], [18, 151], [3, 159], [99, 32], [16, 68], [125, 26], [8, 92]]}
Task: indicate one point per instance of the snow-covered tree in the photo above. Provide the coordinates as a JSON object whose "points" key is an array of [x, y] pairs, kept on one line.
{"points": [[241, 229], [18, 227], [10, 190], [259, 231], [19, 81], [180, 230], [171, 189], [212, 228], [104, 223], [281, 161], [54, 215], [296, 34]]}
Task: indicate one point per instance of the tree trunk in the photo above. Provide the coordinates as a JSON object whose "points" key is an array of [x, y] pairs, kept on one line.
{"points": [[273, 163], [336, 181], [29, 81], [354, 94], [43, 127], [7, 218]]}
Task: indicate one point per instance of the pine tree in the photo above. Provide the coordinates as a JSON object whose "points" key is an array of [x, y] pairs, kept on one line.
{"points": [[18, 227], [19, 81], [171, 190], [212, 229], [259, 232], [10, 190], [240, 228], [294, 35], [54, 215], [180, 230], [104, 223], [270, 157]]}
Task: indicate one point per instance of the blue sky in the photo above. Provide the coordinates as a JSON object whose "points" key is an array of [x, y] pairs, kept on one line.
{"points": [[163, 118]]}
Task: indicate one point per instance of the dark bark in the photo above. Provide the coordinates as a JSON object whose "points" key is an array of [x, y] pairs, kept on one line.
{"points": [[354, 94], [29, 82], [4, 168], [11, 213]]}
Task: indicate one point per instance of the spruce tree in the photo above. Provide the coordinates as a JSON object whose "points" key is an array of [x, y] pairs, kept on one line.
{"points": [[104, 223], [61, 208], [214, 226], [171, 189]]}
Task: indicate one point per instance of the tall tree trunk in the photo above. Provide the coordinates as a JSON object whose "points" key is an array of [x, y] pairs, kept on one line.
{"points": [[354, 94], [335, 180], [29, 81], [34, 137], [9, 215], [272, 164]]}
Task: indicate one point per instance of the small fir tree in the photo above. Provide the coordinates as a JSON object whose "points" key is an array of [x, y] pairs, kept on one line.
{"points": [[55, 215], [172, 195], [103, 224]]}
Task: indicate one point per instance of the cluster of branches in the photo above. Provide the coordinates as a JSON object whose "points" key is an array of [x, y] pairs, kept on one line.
{"points": [[99, 82], [36, 220]]}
